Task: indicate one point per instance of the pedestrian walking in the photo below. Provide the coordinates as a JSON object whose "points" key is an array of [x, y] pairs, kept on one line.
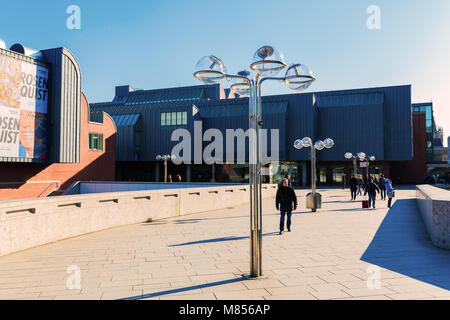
{"points": [[360, 185], [371, 190], [286, 202], [178, 178], [390, 192], [353, 187], [382, 186]]}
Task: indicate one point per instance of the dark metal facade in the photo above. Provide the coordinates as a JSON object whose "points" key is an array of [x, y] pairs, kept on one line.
{"points": [[376, 121]]}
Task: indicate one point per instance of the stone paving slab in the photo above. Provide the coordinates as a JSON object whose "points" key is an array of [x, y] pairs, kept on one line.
{"points": [[332, 254]]}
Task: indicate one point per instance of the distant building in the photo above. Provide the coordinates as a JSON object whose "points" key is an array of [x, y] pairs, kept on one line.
{"points": [[437, 154], [377, 121]]}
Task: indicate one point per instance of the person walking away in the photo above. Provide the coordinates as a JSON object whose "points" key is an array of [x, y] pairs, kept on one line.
{"points": [[382, 185], [353, 187], [390, 192], [372, 189], [286, 200], [360, 185]]}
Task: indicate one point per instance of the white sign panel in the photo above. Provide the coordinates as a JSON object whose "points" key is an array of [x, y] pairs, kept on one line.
{"points": [[9, 132]]}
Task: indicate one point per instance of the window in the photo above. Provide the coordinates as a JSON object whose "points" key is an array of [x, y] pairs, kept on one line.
{"points": [[338, 175], [96, 141], [173, 118], [322, 175]]}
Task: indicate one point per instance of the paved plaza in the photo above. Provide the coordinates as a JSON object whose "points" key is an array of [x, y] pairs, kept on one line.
{"points": [[338, 253]]}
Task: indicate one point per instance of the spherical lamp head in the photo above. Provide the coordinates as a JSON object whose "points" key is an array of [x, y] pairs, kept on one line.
{"points": [[307, 142], [210, 70], [239, 86], [298, 144], [268, 60], [299, 77], [319, 145], [329, 143], [348, 155]]}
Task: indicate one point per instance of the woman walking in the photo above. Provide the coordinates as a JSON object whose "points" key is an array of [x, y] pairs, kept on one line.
{"points": [[389, 191]]}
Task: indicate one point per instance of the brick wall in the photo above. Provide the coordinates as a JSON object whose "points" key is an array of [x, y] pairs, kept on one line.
{"points": [[31, 180]]}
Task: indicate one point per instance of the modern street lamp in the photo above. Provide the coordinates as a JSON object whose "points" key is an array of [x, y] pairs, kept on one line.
{"points": [[363, 157], [266, 63], [313, 200], [165, 158], [350, 156]]}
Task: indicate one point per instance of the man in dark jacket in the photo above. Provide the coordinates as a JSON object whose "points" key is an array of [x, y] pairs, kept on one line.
{"points": [[353, 187], [285, 198], [372, 189]]}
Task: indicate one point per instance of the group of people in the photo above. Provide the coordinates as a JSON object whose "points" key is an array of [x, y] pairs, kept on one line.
{"points": [[371, 187], [286, 199]]}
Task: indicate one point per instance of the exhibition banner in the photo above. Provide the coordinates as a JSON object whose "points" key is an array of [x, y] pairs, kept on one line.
{"points": [[23, 109]]}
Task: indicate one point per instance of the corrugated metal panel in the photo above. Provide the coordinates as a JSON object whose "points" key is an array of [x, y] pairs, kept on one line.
{"points": [[354, 129], [385, 111], [65, 105]]}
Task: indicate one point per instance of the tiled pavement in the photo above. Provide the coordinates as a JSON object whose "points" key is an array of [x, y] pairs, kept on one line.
{"points": [[202, 256]]}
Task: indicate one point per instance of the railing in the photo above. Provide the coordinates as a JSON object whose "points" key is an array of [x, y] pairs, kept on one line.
{"points": [[46, 192]]}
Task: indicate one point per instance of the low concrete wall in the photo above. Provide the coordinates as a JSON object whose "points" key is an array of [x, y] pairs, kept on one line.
{"points": [[434, 206], [28, 223]]}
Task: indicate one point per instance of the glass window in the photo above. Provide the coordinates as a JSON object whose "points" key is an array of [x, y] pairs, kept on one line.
{"points": [[338, 175], [428, 114], [168, 119], [174, 118], [96, 141], [184, 118], [163, 119], [179, 119], [322, 175]]}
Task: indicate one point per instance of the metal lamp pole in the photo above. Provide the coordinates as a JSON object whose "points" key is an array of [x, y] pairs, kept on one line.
{"points": [[165, 158], [266, 61], [315, 202]]}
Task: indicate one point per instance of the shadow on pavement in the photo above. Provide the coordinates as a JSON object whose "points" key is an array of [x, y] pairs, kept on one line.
{"points": [[196, 287], [402, 245], [219, 240]]}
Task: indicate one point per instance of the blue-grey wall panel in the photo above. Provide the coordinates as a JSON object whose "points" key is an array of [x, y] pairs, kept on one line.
{"points": [[354, 129]]}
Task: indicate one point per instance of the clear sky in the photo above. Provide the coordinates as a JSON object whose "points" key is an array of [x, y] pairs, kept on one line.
{"points": [[155, 44]]}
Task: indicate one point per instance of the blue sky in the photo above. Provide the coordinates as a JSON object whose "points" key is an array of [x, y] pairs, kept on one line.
{"points": [[155, 44]]}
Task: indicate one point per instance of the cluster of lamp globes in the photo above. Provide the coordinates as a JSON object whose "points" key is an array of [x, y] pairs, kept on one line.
{"points": [[318, 145], [361, 155], [165, 157], [266, 61]]}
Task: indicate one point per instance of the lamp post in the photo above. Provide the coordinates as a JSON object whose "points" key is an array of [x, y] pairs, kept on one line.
{"points": [[165, 158], [362, 157], [349, 156], [266, 63], [314, 200]]}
